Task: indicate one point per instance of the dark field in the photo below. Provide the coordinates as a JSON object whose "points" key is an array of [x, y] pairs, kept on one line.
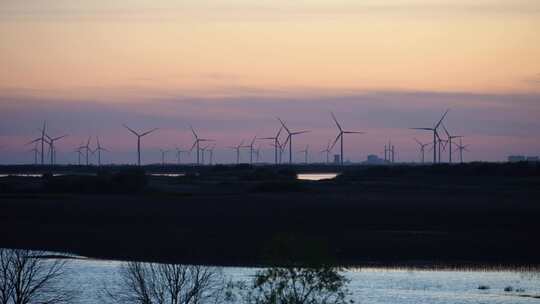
{"points": [[463, 215]]}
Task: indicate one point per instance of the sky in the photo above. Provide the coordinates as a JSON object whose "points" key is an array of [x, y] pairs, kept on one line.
{"points": [[229, 68]]}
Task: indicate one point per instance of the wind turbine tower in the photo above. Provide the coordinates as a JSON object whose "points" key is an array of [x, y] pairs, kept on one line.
{"points": [[139, 136], [290, 135], [35, 150], [340, 136], [276, 145], [99, 148], [196, 144], [163, 154], [306, 154], [237, 149], [435, 135], [179, 155], [450, 138], [461, 148], [52, 149], [422, 149], [327, 151]]}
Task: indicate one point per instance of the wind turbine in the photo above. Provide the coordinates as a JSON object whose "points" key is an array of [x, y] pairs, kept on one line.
{"points": [[87, 148], [257, 154], [197, 142], [435, 135], [327, 150], [289, 138], [79, 153], [306, 152], [461, 147], [422, 148], [99, 148], [251, 149], [139, 141], [276, 144], [340, 136], [163, 154], [42, 140], [203, 152], [36, 152], [179, 155], [52, 150], [211, 151], [450, 137], [237, 148]]}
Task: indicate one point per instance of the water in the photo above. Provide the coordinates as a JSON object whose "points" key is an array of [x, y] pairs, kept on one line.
{"points": [[167, 174], [368, 285], [316, 176], [27, 175]]}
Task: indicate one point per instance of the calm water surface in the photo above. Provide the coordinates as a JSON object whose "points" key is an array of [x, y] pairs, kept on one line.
{"points": [[368, 285], [316, 176]]}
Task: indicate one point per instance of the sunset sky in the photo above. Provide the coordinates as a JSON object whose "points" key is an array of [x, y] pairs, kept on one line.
{"points": [[230, 67]]}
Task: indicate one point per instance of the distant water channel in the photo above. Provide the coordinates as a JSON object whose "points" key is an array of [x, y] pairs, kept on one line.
{"points": [[316, 176], [368, 285]]}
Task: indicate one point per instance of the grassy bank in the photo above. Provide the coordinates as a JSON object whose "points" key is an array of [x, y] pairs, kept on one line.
{"points": [[404, 215]]}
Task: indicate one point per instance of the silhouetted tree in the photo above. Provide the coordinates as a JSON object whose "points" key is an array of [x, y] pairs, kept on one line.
{"points": [[292, 285], [152, 283], [26, 277]]}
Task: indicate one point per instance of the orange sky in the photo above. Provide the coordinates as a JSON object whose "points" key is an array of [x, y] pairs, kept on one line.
{"points": [[126, 47]]}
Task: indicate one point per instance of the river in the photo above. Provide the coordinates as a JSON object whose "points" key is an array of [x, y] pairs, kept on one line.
{"points": [[367, 285]]}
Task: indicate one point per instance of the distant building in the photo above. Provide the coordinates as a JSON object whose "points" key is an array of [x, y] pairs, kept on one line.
{"points": [[533, 159], [374, 160], [516, 158], [336, 159]]}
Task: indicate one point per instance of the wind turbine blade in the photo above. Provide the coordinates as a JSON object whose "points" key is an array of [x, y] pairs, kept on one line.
{"points": [[284, 126], [442, 118], [335, 120], [125, 126], [354, 132], [286, 142], [33, 141], [335, 141], [148, 132], [193, 146], [446, 131], [279, 132], [59, 137], [267, 138], [300, 132], [417, 141], [193, 131], [427, 129]]}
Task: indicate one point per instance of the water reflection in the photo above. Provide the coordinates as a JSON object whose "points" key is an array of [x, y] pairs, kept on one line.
{"points": [[316, 176], [368, 285], [167, 174], [27, 175]]}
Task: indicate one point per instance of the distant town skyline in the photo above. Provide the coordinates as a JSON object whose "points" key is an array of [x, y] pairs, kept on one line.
{"points": [[229, 68]]}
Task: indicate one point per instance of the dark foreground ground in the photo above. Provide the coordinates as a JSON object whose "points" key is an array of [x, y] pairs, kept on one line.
{"points": [[479, 214]]}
